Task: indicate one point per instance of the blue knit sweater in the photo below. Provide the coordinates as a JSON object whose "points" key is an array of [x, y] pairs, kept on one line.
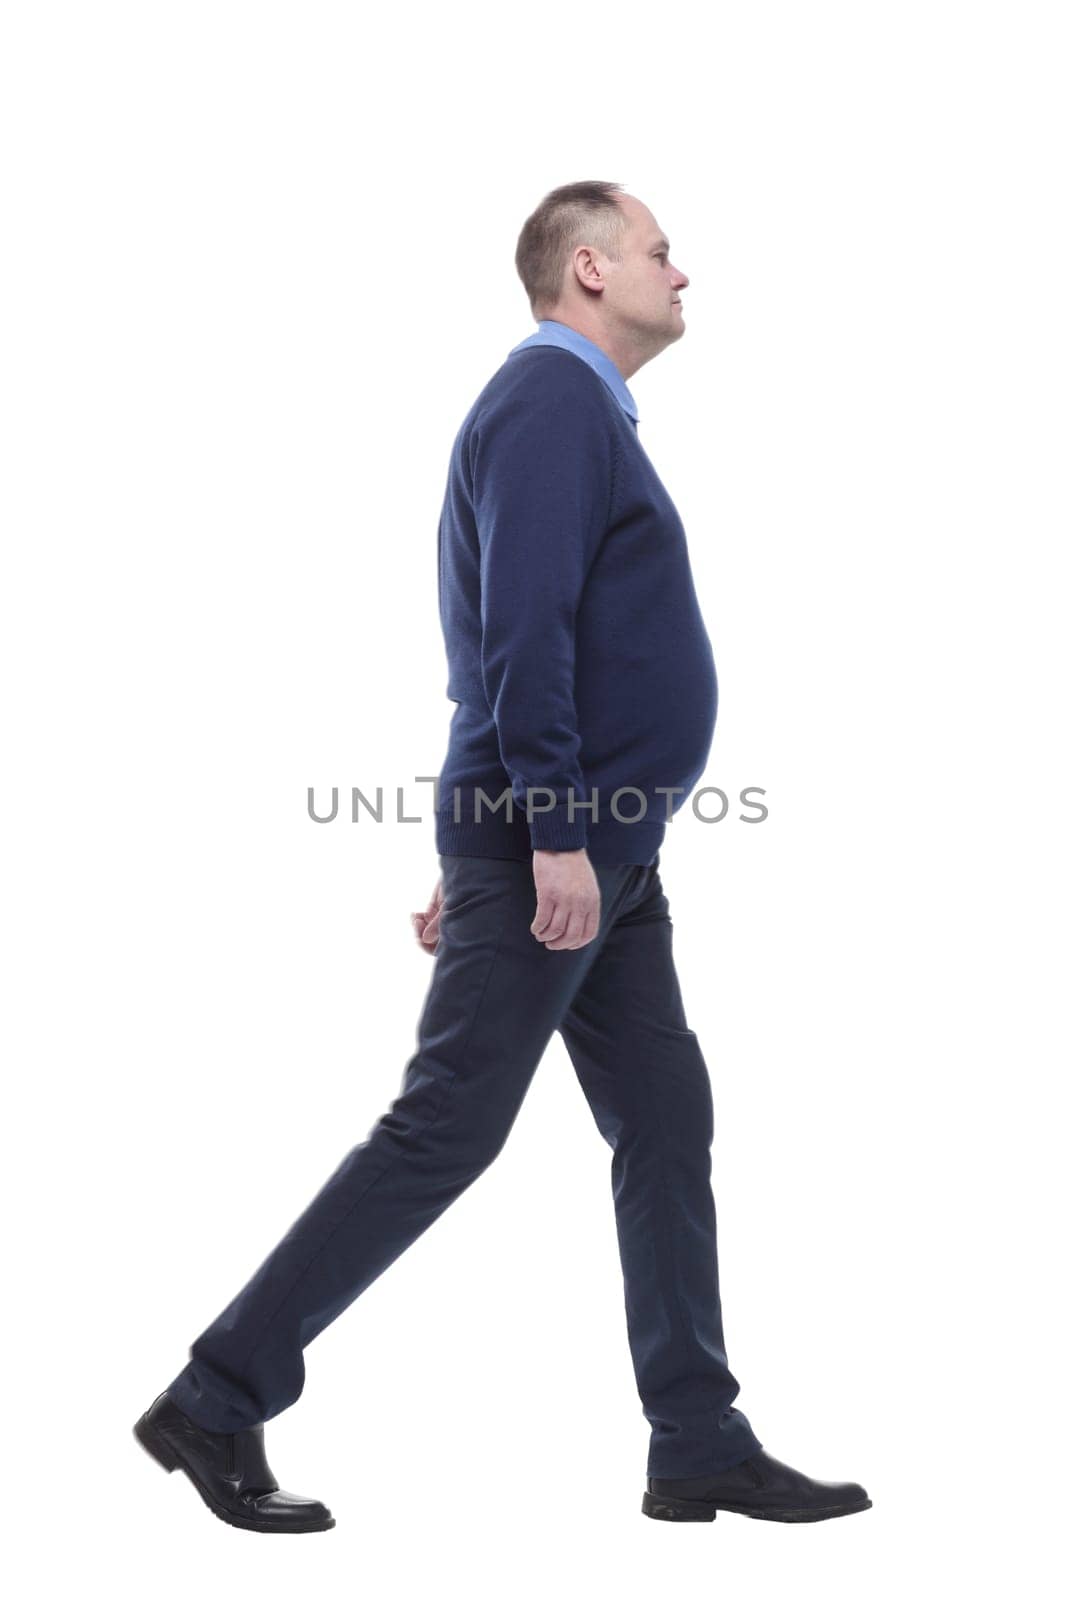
{"points": [[577, 655]]}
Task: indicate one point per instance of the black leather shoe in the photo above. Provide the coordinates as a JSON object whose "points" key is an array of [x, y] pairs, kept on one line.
{"points": [[229, 1472], [759, 1487]]}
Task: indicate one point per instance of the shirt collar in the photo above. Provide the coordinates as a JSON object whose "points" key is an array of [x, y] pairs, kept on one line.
{"points": [[567, 338]]}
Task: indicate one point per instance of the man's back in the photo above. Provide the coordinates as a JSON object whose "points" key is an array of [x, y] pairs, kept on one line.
{"points": [[577, 654]]}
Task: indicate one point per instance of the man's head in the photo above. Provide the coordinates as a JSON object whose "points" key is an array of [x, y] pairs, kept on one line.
{"points": [[596, 258]]}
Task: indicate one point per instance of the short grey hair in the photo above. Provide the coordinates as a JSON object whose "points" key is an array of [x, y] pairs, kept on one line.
{"points": [[577, 213]]}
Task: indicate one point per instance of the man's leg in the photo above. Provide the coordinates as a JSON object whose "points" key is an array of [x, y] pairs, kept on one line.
{"points": [[495, 998], [644, 1075]]}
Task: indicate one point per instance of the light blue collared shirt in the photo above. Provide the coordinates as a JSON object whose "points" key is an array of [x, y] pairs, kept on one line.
{"points": [[558, 333]]}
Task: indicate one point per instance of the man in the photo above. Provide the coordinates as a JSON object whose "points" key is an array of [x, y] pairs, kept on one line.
{"points": [[585, 701]]}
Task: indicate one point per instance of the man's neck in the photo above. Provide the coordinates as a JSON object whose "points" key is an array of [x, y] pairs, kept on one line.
{"points": [[617, 349]]}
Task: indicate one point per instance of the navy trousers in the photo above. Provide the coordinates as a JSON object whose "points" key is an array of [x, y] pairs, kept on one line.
{"points": [[495, 998]]}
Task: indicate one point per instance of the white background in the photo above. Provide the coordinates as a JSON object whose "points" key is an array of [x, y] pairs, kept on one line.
{"points": [[259, 262]]}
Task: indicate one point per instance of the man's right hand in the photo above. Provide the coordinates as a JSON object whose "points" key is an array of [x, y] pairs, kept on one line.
{"points": [[427, 924], [568, 899]]}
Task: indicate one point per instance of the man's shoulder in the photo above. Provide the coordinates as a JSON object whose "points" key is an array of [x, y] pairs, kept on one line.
{"points": [[541, 376], [537, 395]]}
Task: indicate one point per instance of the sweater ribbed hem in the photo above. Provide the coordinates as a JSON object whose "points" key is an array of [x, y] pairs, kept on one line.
{"points": [[607, 842]]}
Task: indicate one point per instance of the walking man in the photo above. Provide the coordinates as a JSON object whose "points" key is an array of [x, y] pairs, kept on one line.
{"points": [[585, 701]]}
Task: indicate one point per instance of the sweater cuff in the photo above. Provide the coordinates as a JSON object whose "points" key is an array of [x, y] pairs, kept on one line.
{"points": [[550, 830]]}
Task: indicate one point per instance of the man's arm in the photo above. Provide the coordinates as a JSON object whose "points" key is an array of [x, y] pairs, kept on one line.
{"points": [[542, 483]]}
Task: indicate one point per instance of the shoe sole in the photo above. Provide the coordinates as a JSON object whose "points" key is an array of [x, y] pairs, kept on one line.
{"points": [[665, 1509], [169, 1459]]}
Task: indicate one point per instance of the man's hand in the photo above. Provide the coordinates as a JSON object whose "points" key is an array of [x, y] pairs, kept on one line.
{"points": [[426, 922], [568, 899]]}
